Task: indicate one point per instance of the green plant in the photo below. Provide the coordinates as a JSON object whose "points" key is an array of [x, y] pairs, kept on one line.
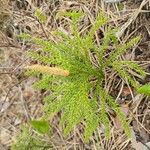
{"points": [[77, 78], [40, 15], [29, 140], [41, 126]]}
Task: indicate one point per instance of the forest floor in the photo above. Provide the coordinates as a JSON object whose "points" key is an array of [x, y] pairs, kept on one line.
{"points": [[20, 102]]}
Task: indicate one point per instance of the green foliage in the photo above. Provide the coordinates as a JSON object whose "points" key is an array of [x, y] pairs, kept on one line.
{"points": [[145, 89], [40, 15], [77, 96], [28, 140], [41, 126]]}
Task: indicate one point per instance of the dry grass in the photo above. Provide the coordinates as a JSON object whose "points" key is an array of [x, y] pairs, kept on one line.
{"points": [[19, 102]]}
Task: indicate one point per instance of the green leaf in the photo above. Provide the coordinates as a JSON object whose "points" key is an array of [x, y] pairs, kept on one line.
{"points": [[73, 14], [100, 21], [145, 89], [41, 126], [24, 36], [40, 16]]}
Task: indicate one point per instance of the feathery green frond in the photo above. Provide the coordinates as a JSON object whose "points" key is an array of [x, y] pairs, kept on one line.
{"points": [[80, 96], [145, 89], [134, 66], [120, 49], [125, 75], [100, 20]]}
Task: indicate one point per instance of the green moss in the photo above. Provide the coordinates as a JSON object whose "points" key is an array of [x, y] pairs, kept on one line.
{"points": [[71, 94]]}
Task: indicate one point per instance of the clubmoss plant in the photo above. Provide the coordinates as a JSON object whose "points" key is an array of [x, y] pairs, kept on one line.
{"points": [[77, 78], [29, 140]]}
